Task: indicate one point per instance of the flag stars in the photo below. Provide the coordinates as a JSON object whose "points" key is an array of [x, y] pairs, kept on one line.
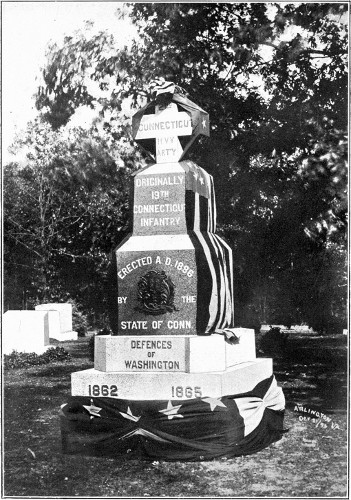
{"points": [[129, 415], [197, 176], [171, 411], [213, 402], [93, 410]]}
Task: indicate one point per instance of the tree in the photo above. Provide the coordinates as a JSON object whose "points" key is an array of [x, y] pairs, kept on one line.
{"points": [[294, 204], [273, 78], [65, 206]]}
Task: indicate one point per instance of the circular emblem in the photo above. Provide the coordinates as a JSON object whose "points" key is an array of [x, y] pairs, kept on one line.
{"points": [[155, 293]]}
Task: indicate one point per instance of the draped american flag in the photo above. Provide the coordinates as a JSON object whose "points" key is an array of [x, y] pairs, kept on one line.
{"points": [[213, 255], [192, 429]]}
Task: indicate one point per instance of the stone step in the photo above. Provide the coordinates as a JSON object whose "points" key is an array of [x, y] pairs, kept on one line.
{"points": [[180, 353], [171, 386]]}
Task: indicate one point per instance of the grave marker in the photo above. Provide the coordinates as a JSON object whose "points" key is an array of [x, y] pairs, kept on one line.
{"points": [[64, 330], [25, 331]]}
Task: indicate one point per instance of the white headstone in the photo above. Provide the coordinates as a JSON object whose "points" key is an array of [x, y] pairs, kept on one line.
{"points": [[54, 324], [65, 311], [65, 320], [25, 331]]}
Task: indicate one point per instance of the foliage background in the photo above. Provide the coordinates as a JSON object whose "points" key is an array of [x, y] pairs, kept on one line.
{"points": [[273, 78]]}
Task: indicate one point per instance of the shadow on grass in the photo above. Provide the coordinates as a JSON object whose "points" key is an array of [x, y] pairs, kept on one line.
{"points": [[78, 349], [62, 370], [313, 371]]}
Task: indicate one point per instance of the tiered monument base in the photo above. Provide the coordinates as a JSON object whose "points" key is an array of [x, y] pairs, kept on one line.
{"points": [[172, 367], [172, 398]]}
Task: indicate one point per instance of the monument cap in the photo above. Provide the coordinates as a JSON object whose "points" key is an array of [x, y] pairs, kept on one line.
{"points": [[147, 126]]}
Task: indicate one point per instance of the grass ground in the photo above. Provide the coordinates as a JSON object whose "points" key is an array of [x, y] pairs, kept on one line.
{"points": [[309, 461]]}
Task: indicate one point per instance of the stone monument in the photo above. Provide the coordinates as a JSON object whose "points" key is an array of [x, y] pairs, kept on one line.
{"points": [[173, 312]]}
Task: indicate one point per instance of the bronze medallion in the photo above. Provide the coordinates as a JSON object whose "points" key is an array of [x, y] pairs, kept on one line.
{"points": [[155, 293]]}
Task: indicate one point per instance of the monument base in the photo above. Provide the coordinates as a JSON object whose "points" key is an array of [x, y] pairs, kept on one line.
{"points": [[200, 428], [173, 353], [228, 405], [175, 386]]}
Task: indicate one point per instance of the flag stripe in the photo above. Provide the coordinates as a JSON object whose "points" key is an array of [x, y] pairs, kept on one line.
{"points": [[223, 292], [228, 276], [217, 290], [197, 213], [213, 304], [204, 284], [189, 209]]}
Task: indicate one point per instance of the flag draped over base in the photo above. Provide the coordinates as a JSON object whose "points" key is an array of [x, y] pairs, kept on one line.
{"points": [[193, 429]]}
